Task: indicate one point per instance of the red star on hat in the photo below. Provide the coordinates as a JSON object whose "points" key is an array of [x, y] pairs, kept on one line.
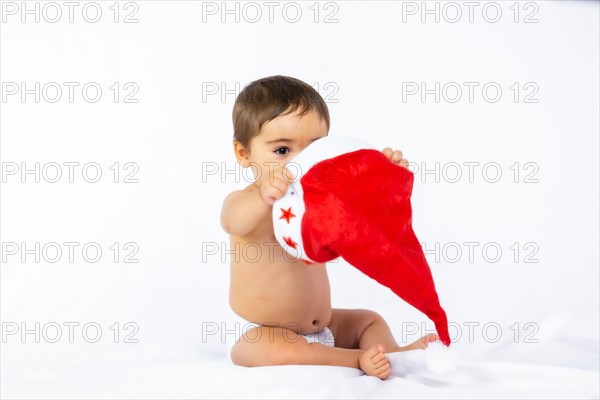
{"points": [[288, 240], [286, 214]]}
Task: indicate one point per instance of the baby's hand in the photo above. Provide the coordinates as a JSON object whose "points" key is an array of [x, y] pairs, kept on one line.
{"points": [[395, 157], [274, 185]]}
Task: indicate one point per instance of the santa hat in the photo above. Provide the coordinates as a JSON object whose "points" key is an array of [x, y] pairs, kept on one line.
{"points": [[347, 199]]}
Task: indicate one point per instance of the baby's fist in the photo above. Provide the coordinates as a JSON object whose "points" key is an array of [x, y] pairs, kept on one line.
{"points": [[275, 185]]}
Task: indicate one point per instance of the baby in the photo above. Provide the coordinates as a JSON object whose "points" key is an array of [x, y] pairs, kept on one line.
{"points": [[288, 301]]}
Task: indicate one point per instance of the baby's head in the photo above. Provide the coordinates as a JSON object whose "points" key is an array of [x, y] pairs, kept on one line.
{"points": [[275, 118]]}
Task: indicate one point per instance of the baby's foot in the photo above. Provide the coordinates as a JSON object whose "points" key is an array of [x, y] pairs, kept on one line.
{"points": [[421, 343], [374, 362]]}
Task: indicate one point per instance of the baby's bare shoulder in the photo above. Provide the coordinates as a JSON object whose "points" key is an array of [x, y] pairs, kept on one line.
{"points": [[248, 189]]}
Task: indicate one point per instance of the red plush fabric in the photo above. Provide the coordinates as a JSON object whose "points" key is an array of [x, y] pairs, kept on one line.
{"points": [[358, 207]]}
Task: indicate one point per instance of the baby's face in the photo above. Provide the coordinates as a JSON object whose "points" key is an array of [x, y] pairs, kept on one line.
{"points": [[283, 138]]}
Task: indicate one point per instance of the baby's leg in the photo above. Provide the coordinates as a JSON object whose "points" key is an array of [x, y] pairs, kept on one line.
{"points": [[267, 345], [363, 329], [264, 345], [368, 331]]}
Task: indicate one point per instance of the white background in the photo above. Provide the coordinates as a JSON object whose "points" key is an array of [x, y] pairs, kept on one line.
{"points": [[178, 131]]}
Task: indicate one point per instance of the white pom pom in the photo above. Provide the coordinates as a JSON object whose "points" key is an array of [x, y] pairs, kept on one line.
{"points": [[440, 359]]}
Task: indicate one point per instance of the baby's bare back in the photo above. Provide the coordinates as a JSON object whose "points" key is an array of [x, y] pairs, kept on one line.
{"points": [[268, 287]]}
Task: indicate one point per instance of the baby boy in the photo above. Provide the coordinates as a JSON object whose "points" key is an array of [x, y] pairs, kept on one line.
{"points": [[288, 301]]}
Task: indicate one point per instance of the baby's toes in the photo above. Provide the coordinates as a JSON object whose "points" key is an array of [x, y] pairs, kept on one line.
{"points": [[377, 358], [384, 372], [430, 338], [371, 358], [372, 352], [381, 363]]}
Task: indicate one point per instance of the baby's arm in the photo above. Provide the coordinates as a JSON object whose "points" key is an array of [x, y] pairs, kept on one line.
{"points": [[242, 211]]}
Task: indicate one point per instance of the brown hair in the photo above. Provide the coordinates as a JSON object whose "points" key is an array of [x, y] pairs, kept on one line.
{"points": [[267, 98]]}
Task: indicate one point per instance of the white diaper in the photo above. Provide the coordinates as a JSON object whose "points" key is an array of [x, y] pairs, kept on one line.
{"points": [[324, 336], [239, 325]]}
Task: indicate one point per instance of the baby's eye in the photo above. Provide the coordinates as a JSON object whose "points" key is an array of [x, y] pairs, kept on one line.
{"points": [[282, 151]]}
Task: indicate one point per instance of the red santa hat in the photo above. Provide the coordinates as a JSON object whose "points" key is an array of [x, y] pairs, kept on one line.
{"points": [[347, 199]]}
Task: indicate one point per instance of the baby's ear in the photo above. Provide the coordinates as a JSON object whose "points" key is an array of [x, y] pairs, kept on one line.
{"points": [[241, 153]]}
